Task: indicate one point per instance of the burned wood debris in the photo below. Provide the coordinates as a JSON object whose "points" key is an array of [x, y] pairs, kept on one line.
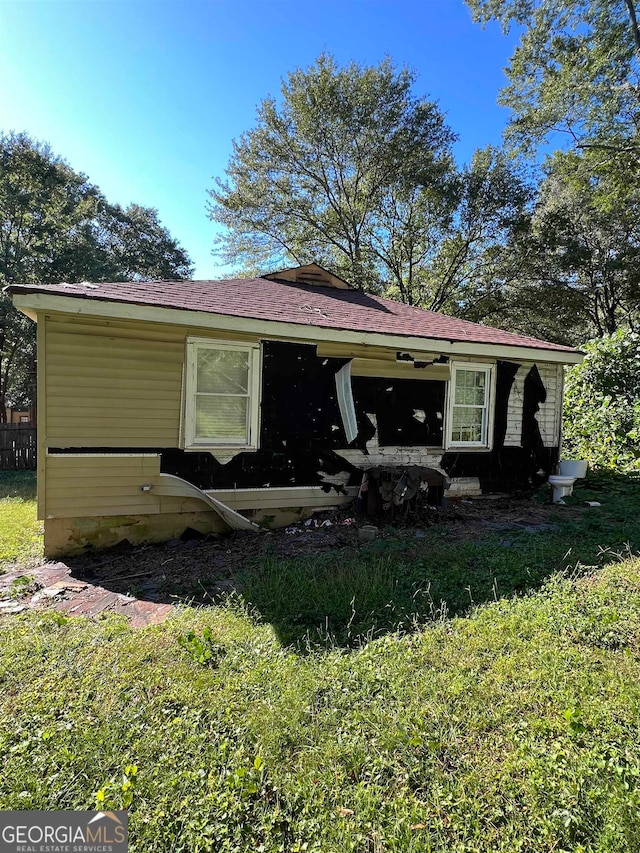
{"points": [[401, 495]]}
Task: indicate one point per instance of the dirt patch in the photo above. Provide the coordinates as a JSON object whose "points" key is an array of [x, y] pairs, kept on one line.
{"points": [[203, 568], [144, 583]]}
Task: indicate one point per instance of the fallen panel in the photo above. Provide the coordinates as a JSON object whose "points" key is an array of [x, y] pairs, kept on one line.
{"points": [[169, 484]]}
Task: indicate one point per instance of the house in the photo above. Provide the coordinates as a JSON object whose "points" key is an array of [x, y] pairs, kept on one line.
{"points": [[216, 404], [17, 416]]}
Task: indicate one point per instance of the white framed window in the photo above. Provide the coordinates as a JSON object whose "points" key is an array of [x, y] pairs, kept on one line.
{"points": [[469, 410], [222, 392]]}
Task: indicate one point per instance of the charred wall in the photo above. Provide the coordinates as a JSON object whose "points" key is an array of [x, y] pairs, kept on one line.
{"points": [[301, 426], [503, 468], [409, 412], [301, 429]]}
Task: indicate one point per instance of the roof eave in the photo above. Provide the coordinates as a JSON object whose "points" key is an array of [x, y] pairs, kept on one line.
{"points": [[32, 301]]}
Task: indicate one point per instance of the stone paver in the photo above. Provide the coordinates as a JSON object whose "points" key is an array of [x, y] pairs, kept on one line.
{"points": [[54, 588]]}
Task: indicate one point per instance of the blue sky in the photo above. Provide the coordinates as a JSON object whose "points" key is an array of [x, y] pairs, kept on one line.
{"points": [[146, 97]]}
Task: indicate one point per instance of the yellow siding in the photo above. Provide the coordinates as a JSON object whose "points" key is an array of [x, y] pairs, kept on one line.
{"points": [[118, 384], [114, 383], [110, 384], [79, 486], [96, 382]]}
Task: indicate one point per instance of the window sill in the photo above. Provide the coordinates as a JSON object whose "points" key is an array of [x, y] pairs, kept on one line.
{"points": [[219, 448], [468, 448]]}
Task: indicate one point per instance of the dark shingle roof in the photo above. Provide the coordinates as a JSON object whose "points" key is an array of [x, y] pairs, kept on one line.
{"points": [[291, 302]]}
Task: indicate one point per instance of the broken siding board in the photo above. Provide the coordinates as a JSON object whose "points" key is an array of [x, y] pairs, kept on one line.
{"points": [[394, 456], [267, 498], [549, 410], [169, 483], [336, 350], [374, 353], [398, 370], [513, 436], [176, 504]]}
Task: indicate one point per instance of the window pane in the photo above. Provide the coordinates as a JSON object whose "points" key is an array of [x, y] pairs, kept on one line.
{"points": [[223, 371], [222, 417], [466, 425], [470, 387]]}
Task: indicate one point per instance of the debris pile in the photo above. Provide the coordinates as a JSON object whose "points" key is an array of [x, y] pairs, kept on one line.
{"points": [[402, 496]]}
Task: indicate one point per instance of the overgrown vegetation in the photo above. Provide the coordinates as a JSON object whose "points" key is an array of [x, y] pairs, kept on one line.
{"points": [[602, 403], [20, 532]]}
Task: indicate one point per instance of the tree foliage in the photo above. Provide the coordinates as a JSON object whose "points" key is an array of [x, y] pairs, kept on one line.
{"points": [[56, 226], [587, 230], [578, 258], [575, 78], [354, 171], [602, 403], [473, 263], [576, 71], [340, 159]]}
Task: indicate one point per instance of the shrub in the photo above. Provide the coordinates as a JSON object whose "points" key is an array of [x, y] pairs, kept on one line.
{"points": [[602, 403]]}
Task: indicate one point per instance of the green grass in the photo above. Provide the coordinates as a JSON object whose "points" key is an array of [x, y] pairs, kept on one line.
{"points": [[513, 729], [20, 532], [347, 597], [303, 721]]}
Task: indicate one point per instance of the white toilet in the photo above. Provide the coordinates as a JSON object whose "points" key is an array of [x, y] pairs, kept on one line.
{"points": [[562, 486], [569, 470]]}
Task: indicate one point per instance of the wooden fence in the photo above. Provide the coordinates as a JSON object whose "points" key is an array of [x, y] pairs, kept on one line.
{"points": [[17, 447]]}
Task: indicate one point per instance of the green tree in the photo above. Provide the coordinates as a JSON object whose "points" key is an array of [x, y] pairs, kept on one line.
{"points": [[474, 265], [587, 231], [602, 403], [451, 252], [574, 79], [355, 172], [578, 258], [331, 173], [575, 72], [56, 226]]}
